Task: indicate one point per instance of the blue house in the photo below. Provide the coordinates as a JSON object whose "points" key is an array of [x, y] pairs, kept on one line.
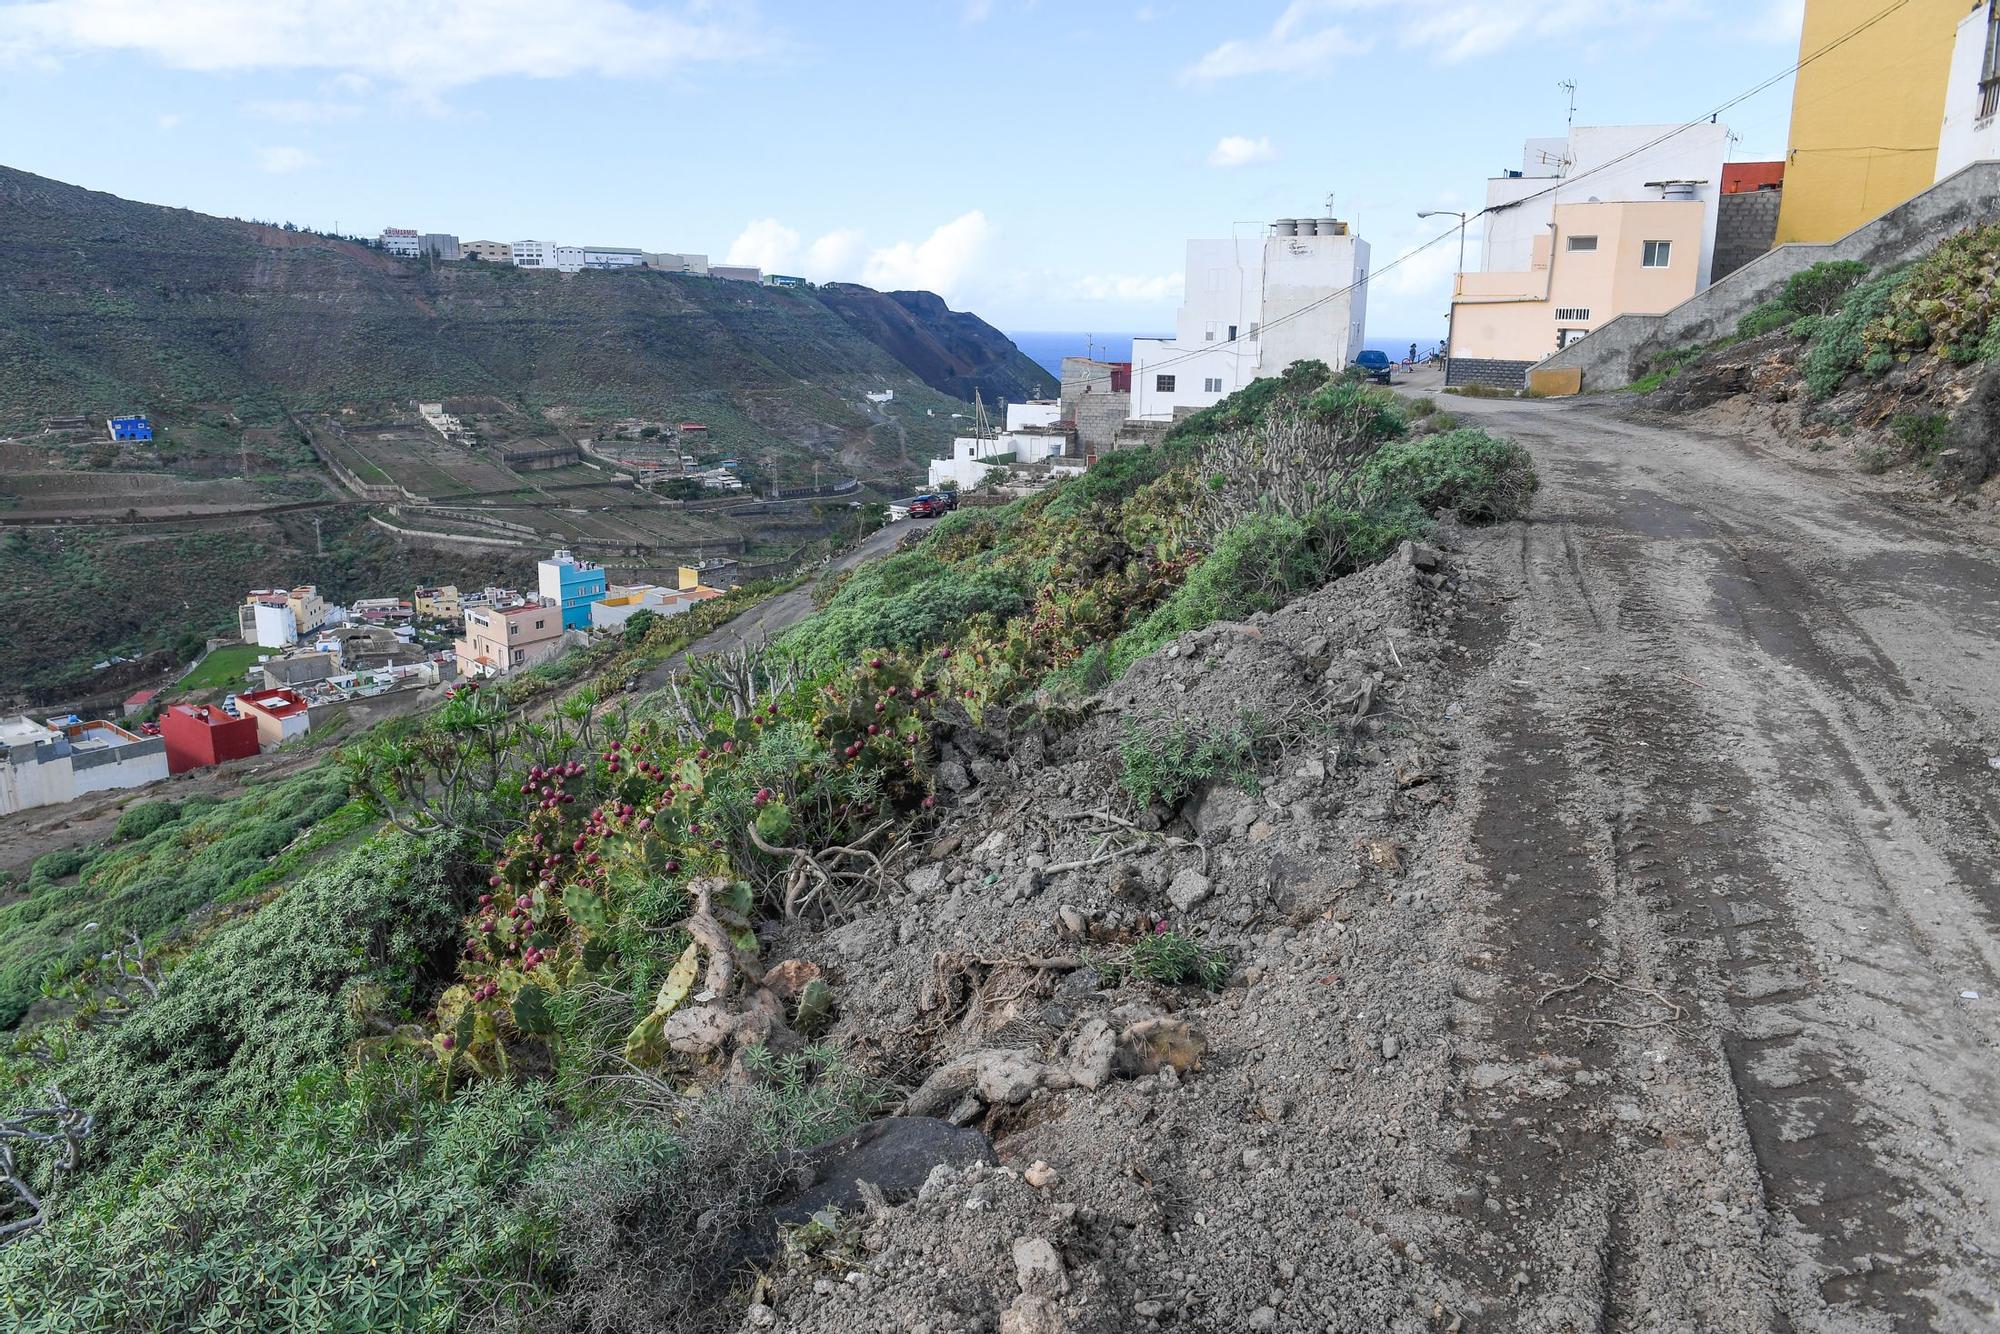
{"points": [[572, 584], [135, 427]]}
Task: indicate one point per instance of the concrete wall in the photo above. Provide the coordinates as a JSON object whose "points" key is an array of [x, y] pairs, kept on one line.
{"points": [[1744, 229], [1089, 400], [1482, 370], [1614, 356]]}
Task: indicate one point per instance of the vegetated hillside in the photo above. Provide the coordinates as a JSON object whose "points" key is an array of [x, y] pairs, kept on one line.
{"points": [[1892, 369], [952, 351], [109, 305], [532, 1055]]}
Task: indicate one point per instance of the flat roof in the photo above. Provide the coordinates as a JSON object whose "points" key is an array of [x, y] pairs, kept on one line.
{"points": [[278, 702]]}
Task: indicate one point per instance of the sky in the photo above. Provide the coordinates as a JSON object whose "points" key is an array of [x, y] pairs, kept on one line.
{"points": [[1041, 162]]}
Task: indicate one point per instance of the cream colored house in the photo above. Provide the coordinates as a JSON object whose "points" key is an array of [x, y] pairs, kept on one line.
{"points": [[498, 641], [440, 602], [1595, 261]]}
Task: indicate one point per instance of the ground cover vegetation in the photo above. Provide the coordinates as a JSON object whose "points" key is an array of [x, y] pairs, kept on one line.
{"points": [[516, 1058]]}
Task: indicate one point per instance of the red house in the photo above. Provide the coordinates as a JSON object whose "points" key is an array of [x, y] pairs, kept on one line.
{"points": [[198, 735]]}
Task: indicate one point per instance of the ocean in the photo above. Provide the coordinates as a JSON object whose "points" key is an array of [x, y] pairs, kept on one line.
{"points": [[1047, 349]]}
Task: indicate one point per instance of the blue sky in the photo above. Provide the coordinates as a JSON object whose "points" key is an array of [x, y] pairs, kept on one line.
{"points": [[1040, 163]]}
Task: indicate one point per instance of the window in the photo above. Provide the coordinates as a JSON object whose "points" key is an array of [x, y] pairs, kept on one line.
{"points": [[1208, 332], [1163, 384], [1582, 243], [1232, 333], [1573, 314], [1212, 385], [1658, 255], [1564, 337], [1254, 326]]}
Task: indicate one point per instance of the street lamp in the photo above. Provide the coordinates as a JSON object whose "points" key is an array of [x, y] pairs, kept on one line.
{"points": [[1451, 312]]}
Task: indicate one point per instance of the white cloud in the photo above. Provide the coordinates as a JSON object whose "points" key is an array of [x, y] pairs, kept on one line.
{"points": [[1305, 40], [1130, 288], [975, 11], [445, 44], [168, 120], [284, 159], [766, 244], [1296, 44], [1236, 150], [938, 263]]}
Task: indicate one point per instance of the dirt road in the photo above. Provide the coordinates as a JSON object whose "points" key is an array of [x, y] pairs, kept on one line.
{"points": [[1737, 821], [780, 613]]}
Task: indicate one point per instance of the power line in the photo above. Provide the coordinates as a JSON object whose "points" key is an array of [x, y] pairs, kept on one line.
{"points": [[1408, 255]]}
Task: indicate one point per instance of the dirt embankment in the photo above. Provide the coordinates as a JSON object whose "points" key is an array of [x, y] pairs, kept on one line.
{"points": [[1611, 940]]}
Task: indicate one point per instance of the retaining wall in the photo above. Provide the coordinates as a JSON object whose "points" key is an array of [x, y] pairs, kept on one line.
{"points": [[1486, 371], [1616, 354]]}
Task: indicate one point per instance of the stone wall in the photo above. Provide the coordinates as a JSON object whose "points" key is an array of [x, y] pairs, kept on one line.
{"points": [[1484, 370], [1745, 225], [1613, 356], [1089, 400]]}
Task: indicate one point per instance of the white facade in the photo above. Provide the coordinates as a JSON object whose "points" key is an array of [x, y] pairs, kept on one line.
{"points": [[677, 263], [1042, 412], [1971, 131], [1590, 167], [42, 766], [548, 255], [400, 242], [1311, 289], [275, 626], [1031, 442], [611, 257]]}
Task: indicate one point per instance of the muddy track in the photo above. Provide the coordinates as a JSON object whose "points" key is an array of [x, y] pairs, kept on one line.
{"points": [[1737, 828]]}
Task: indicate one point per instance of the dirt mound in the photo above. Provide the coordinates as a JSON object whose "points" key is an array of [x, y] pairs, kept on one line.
{"points": [[1265, 1155]]}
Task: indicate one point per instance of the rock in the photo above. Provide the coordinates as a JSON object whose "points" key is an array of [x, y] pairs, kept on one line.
{"points": [[1039, 1175], [1038, 1268], [786, 980], [1152, 1045], [896, 1156], [1031, 1314], [1007, 1077], [1392, 1047], [1093, 1054], [1418, 556], [760, 1316], [1188, 888], [1265, 1317], [1149, 1309], [1071, 920], [954, 776], [1261, 831], [925, 880], [1125, 882]]}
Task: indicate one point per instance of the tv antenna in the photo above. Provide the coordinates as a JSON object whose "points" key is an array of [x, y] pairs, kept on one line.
{"points": [[1569, 86]]}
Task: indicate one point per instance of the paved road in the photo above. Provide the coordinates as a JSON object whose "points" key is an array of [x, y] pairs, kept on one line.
{"points": [[776, 614], [1737, 743]]}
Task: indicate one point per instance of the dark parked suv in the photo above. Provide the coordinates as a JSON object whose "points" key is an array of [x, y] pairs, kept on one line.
{"points": [[1373, 364]]}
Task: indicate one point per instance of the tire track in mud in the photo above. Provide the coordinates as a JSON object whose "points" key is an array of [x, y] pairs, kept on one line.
{"points": [[1688, 783]]}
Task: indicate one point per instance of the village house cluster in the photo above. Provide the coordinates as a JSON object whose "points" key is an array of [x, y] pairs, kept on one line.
{"points": [[443, 247], [321, 656]]}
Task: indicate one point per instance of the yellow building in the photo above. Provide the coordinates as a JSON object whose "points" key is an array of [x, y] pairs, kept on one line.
{"points": [[1599, 261], [440, 602], [1865, 115]]}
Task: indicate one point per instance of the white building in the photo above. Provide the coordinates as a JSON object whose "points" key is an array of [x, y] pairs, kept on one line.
{"points": [[1521, 206], [1971, 129], [400, 242], [44, 765], [274, 625], [677, 263], [610, 257], [1252, 307], [1030, 437], [548, 255]]}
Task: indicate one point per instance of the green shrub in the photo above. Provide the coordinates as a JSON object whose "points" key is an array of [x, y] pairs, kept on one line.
{"points": [[1170, 762], [1766, 318], [273, 995], [355, 1202], [910, 601], [143, 819], [1839, 344], [1946, 304], [1820, 289], [1874, 458], [1174, 960], [1923, 432], [1474, 475]]}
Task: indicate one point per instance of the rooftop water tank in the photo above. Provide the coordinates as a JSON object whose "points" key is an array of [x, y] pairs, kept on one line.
{"points": [[1285, 227]]}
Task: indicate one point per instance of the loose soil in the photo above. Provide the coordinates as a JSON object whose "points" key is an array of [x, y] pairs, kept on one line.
{"points": [[1612, 936]]}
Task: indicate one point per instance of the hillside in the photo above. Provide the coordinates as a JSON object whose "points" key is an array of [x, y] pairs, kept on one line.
{"points": [[107, 304]]}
